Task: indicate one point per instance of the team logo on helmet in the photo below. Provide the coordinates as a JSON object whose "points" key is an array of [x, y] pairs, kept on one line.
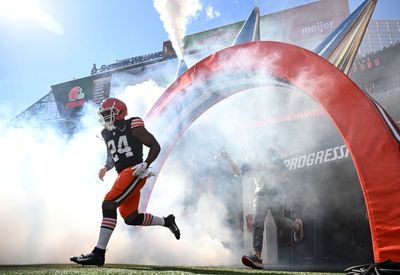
{"points": [[76, 97]]}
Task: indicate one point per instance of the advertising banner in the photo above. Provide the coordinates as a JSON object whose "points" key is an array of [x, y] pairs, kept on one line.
{"points": [[303, 26]]}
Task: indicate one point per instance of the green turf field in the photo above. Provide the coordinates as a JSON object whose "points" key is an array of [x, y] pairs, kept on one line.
{"points": [[137, 269]]}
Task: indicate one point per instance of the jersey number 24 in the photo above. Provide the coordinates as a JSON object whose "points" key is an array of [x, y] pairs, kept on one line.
{"points": [[122, 148]]}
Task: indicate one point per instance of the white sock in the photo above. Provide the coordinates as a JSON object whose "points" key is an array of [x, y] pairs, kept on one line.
{"points": [[106, 229], [157, 221], [149, 219]]}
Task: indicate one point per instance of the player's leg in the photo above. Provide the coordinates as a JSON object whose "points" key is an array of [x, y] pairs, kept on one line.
{"points": [[298, 233], [121, 188], [109, 221], [285, 223], [260, 210], [129, 211], [108, 224], [143, 219]]}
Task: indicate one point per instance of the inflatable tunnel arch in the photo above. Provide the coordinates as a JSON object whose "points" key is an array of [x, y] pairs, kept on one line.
{"points": [[364, 126]]}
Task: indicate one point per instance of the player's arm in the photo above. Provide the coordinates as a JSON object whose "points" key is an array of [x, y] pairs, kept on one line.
{"points": [[107, 166], [232, 164], [146, 138]]}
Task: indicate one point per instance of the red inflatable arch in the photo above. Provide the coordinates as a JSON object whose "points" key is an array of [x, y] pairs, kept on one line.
{"points": [[368, 132]]}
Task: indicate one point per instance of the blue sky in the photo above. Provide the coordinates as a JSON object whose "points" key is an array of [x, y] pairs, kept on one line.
{"points": [[45, 42]]}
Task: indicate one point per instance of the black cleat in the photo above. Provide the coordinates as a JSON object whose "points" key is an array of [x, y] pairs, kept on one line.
{"points": [[169, 222], [88, 259]]}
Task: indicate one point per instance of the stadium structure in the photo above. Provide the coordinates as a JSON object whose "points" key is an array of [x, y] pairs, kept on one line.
{"points": [[304, 26], [338, 236]]}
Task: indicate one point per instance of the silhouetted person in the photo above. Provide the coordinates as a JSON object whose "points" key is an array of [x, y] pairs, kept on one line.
{"points": [[271, 185]]}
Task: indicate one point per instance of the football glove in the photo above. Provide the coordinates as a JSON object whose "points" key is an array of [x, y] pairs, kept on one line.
{"points": [[102, 173], [139, 169]]}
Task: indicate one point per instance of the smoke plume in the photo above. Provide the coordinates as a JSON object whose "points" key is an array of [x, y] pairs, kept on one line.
{"points": [[175, 15]]}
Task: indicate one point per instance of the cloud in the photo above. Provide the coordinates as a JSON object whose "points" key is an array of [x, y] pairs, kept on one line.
{"points": [[212, 13]]}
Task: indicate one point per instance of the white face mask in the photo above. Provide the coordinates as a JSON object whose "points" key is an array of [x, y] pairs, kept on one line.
{"points": [[107, 117]]}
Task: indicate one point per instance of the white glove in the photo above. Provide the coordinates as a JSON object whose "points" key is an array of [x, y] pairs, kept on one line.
{"points": [[139, 169]]}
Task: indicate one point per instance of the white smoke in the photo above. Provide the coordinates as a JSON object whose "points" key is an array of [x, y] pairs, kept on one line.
{"points": [[227, 125], [141, 97], [49, 192], [175, 15], [203, 235], [52, 198]]}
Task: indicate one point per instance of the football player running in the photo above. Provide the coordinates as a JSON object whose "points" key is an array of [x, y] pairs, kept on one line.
{"points": [[124, 139]]}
